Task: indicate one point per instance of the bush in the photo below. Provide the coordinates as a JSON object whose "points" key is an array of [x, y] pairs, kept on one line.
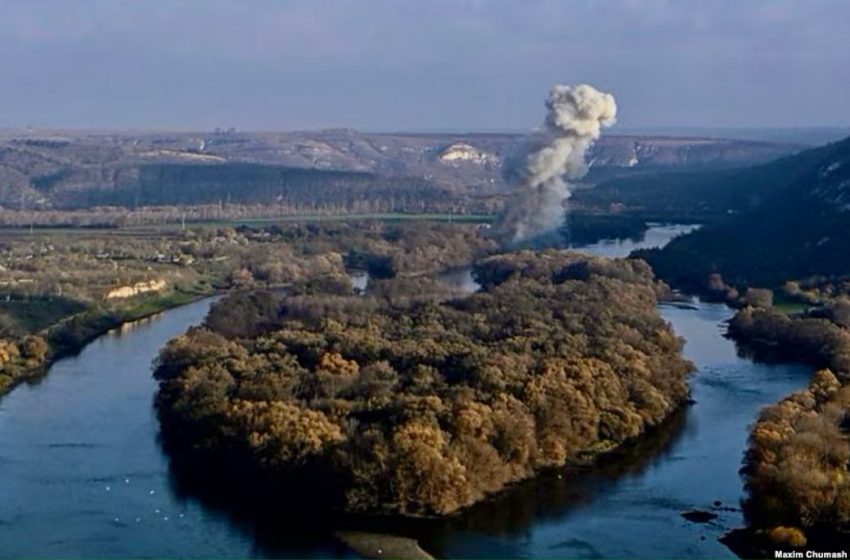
{"points": [[787, 536]]}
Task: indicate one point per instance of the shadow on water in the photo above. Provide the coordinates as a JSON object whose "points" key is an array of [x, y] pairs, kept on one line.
{"points": [[655, 236], [773, 354], [101, 431], [279, 525], [282, 525], [37, 376], [558, 492]]}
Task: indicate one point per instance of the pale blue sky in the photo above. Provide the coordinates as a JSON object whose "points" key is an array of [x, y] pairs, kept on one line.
{"points": [[405, 64]]}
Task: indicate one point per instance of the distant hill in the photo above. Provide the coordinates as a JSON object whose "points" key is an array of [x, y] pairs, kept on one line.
{"points": [[340, 168], [811, 136], [697, 195], [785, 220]]}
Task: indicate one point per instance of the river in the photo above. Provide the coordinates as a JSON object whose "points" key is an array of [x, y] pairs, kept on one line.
{"points": [[656, 236], [82, 472]]}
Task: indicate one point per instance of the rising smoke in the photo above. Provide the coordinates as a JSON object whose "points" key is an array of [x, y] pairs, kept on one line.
{"points": [[540, 183]]}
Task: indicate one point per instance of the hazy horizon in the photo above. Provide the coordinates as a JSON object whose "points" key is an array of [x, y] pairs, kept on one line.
{"points": [[730, 132], [469, 65]]}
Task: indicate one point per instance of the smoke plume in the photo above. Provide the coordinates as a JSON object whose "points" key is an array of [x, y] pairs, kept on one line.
{"points": [[540, 183]]}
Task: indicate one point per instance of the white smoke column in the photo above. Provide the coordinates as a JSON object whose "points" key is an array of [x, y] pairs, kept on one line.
{"points": [[574, 121]]}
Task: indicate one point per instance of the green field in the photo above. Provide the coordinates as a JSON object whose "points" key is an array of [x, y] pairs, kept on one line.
{"points": [[37, 313], [289, 219], [382, 217]]}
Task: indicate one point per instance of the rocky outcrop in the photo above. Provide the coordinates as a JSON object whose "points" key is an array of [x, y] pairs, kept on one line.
{"points": [[137, 289], [463, 152]]}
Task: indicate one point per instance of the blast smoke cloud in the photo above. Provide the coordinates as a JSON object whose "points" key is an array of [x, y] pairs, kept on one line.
{"points": [[575, 118]]}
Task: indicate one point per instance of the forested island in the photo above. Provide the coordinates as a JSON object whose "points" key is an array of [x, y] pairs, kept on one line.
{"points": [[420, 404]]}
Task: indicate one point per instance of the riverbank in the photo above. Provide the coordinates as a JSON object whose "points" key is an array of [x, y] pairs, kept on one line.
{"points": [[60, 291], [72, 334], [796, 468], [101, 432]]}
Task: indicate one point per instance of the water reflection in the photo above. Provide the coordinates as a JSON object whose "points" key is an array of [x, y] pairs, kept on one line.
{"points": [[281, 531], [626, 505], [82, 473], [658, 235], [127, 328]]}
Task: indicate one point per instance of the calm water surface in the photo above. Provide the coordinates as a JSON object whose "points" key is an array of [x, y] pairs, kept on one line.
{"points": [[630, 505], [82, 473], [658, 235]]}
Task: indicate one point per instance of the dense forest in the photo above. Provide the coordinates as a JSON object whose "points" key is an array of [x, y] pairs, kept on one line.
{"points": [[776, 231], [584, 228], [421, 405], [695, 196], [796, 468], [820, 337], [789, 221]]}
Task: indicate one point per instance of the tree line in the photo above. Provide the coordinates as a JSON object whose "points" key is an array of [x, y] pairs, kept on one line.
{"points": [[796, 467]]}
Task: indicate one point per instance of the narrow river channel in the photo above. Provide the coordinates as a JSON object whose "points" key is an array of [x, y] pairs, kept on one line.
{"points": [[82, 473]]}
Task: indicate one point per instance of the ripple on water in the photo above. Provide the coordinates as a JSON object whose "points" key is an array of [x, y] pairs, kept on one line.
{"points": [[732, 385], [582, 548], [72, 445], [604, 514]]}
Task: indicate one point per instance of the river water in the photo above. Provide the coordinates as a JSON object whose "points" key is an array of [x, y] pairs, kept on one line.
{"points": [[82, 472], [657, 236]]}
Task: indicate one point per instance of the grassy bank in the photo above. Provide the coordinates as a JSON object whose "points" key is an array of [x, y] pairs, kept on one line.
{"points": [[66, 335]]}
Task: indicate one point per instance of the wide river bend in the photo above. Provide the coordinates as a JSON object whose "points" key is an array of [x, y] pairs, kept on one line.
{"points": [[82, 472]]}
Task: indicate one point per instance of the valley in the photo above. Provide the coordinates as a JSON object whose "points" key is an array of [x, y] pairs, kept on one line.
{"points": [[424, 280], [132, 262], [67, 177], [135, 491]]}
